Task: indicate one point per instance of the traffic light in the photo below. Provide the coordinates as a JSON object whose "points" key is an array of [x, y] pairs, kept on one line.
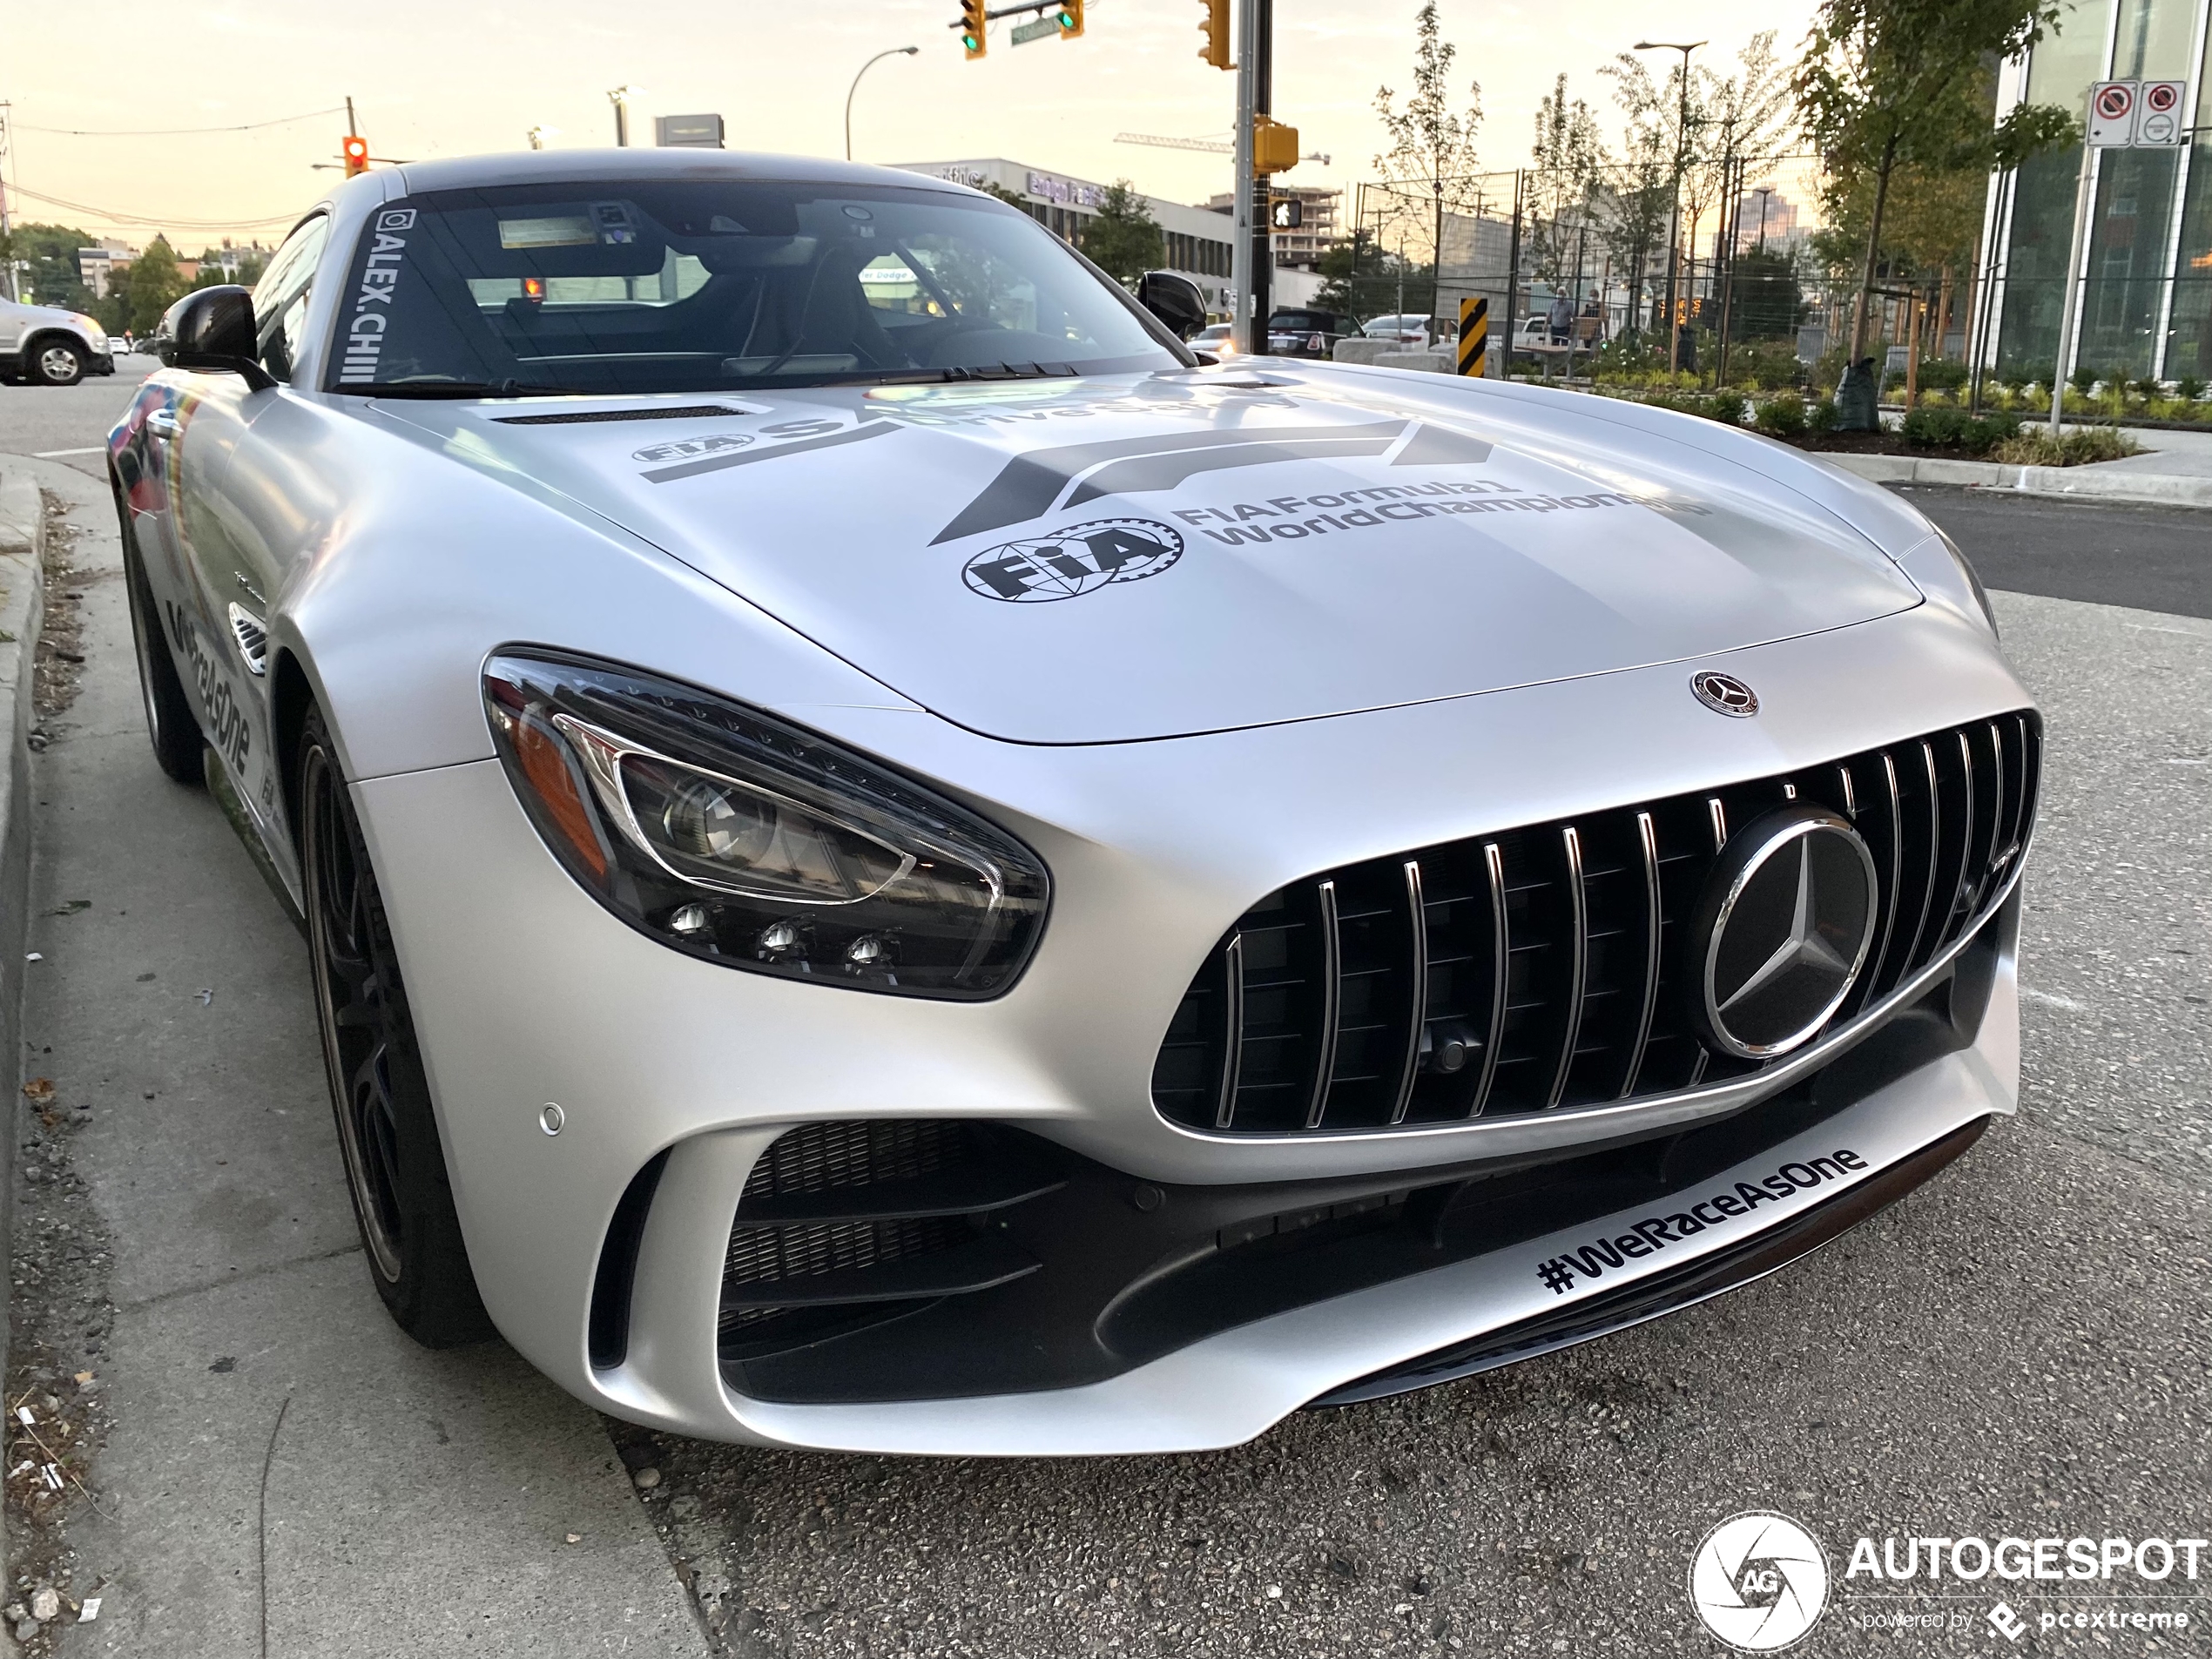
{"points": [[1274, 146], [973, 15], [1071, 18], [356, 154], [1215, 26], [1288, 213]]}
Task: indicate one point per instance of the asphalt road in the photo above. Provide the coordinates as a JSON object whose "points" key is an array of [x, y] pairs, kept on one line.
{"points": [[2021, 1347]]}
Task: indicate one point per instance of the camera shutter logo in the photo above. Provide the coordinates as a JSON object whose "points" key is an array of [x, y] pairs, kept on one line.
{"points": [[395, 218], [1759, 1582], [1071, 562]]}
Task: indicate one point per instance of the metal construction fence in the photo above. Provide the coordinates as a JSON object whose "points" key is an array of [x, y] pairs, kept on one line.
{"points": [[1616, 249]]}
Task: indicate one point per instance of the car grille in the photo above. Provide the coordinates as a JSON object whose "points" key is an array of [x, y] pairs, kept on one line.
{"points": [[1545, 967], [847, 1222]]}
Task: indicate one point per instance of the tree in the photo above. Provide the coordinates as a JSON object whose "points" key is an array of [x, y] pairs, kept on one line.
{"points": [[1429, 145], [1569, 157], [1361, 279], [1732, 116], [1124, 239], [154, 285], [1879, 86], [1633, 211], [51, 251]]}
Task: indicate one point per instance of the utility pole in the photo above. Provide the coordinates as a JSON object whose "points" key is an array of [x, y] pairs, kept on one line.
{"points": [[1249, 337], [1674, 212], [1258, 45], [6, 149]]}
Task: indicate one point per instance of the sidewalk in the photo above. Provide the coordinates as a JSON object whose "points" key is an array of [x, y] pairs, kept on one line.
{"points": [[284, 1474]]}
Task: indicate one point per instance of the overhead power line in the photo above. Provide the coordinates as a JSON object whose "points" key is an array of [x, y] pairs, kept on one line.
{"points": [[175, 132], [109, 216]]}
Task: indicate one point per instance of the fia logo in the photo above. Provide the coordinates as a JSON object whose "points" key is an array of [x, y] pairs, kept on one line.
{"points": [[691, 449], [1071, 562]]}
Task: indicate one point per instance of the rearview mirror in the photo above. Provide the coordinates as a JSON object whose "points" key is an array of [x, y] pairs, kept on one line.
{"points": [[212, 329], [1174, 300]]}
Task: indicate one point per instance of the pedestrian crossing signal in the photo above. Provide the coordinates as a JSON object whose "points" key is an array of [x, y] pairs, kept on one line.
{"points": [[1288, 213]]}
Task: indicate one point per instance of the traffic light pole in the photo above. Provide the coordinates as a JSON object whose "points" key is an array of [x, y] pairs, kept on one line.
{"points": [[1255, 93]]}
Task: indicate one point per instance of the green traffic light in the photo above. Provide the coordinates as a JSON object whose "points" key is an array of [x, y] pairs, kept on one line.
{"points": [[1066, 18]]}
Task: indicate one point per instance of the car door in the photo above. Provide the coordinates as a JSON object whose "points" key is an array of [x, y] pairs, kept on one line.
{"points": [[226, 556]]}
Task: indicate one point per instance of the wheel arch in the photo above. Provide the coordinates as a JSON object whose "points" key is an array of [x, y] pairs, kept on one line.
{"points": [[291, 695]]}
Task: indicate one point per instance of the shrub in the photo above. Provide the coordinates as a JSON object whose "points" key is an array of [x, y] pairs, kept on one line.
{"points": [[2188, 389], [2034, 447], [1781, 417], [1726, 406], [1821, 417]]}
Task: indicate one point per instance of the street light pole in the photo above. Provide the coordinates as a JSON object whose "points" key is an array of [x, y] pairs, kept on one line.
{"points": [[1674, 213], [896, 52], [1765, 192], [620, 99]]}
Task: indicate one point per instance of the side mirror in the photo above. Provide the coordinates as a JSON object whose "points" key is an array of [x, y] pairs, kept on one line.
{"points": [[1174, 300], [212, 329]]}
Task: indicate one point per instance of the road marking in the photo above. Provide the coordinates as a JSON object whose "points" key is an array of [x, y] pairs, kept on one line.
{"points": [[56, 454], [2053, 998]]}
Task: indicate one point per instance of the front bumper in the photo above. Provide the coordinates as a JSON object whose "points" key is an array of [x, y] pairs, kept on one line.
{"points": [[527, 992]]}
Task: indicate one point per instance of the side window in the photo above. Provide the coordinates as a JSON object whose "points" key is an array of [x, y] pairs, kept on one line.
{"points": [[280, 298]]}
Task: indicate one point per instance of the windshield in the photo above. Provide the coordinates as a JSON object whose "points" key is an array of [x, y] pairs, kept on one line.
{"points": [[692, 285]]}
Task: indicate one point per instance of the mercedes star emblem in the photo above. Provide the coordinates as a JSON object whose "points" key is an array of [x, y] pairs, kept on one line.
{"points": [[1781, 931], [1723, 693]]}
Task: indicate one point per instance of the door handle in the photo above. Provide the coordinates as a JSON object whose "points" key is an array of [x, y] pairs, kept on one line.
{"points": [[163, 424]]}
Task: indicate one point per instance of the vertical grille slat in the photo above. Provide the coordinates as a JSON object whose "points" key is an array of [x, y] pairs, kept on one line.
{"points": [[1232, 1047], [1578, 955], [1493, 868], [1548, 966], [1648, 844], [1331, 977], [1417, 991]]}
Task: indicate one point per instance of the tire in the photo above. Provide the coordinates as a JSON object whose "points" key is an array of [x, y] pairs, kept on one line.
{"points": [[178, 745], [388, 1134], [56, 360]]}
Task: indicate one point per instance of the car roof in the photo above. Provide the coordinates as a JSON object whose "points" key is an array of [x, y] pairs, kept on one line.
{"points": [[552, 166]]}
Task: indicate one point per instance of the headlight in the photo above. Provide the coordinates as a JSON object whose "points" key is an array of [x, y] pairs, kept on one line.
{"points": [[726, 833]]}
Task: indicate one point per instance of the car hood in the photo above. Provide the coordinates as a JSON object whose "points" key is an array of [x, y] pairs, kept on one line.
{"points": [[1145, 557]]}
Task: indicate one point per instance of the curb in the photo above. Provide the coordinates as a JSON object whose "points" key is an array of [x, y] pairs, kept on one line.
{"points": [[22, 546], [2077, 483]]}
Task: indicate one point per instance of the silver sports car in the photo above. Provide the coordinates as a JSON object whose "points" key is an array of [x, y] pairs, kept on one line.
{"points": [[895, 860]]}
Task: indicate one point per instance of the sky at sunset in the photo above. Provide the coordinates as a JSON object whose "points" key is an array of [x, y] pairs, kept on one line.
{"points": [[469, 76]]}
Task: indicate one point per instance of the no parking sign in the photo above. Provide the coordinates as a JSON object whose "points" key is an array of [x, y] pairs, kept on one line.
{"points": [[2146, 115]]}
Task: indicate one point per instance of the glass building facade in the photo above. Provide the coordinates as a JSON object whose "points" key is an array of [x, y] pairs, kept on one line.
{"points": [[2146, 296]]}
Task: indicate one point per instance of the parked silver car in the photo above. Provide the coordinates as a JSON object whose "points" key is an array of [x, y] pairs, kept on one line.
{"points": [[47, 345], [892, 863]]}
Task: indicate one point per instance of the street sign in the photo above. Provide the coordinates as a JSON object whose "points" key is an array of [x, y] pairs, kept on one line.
{"points": [[2160, 126], [1023, 33], [2112, 115], [688, 131], [1474, 335]]}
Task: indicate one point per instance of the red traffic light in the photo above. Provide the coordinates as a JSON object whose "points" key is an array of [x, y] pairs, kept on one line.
{"points": [[356, 154]]}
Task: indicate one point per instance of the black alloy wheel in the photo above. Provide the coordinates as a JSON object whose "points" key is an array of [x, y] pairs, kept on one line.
{"points": [[178, 746], [387, 1133], [57, 362]]}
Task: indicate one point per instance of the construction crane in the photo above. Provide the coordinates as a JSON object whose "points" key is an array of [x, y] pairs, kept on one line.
{"points": [[1207, 146]]}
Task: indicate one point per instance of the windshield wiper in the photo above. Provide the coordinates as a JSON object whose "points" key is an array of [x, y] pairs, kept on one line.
{"points": [[465, 388], [1014, 372]]}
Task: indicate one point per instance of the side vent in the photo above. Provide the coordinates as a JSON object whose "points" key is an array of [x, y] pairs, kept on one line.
{"points": [[844, 1224]]}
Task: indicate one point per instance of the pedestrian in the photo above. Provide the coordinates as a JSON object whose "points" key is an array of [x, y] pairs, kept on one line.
{"points": [[1561, 319]]}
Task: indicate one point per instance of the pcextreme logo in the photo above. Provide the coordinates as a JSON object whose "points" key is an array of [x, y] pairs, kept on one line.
{"points": [[1759, 1582]]}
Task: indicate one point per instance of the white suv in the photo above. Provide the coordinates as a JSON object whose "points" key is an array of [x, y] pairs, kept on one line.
{"points": [[47, 345]]}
